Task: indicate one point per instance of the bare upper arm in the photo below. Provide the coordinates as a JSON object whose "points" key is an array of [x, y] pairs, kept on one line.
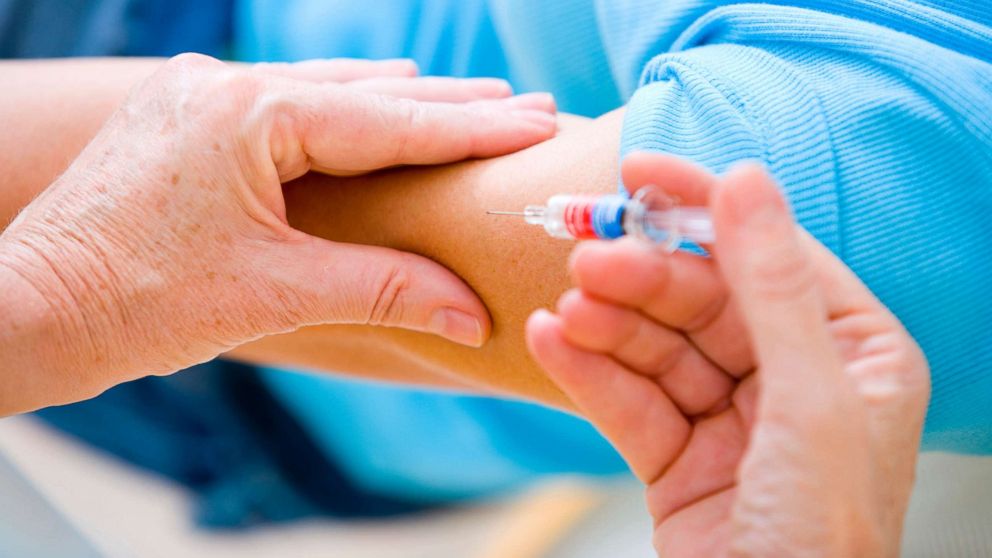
{"points": [[440, 213]]}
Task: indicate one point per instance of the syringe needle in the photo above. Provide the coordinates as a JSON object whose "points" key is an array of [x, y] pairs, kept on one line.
{"points": [[494, 212]]}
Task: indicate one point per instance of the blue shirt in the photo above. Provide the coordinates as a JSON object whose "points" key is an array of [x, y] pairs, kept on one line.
{"points": [[873, 114], [57, 28]]}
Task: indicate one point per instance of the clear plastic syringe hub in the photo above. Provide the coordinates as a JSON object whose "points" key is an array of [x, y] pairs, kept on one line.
{"points": [[553, 216], [654, 216]]}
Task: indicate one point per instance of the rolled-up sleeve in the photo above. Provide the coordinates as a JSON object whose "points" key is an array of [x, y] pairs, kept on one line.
{"points": [[878, 123]]}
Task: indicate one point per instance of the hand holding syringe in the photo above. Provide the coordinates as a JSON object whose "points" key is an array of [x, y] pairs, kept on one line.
{"points": [[649, 215]]}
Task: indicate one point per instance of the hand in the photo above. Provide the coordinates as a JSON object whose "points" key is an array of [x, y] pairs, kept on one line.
{"points": [[166, 242], [771, 404], [513, 268]]}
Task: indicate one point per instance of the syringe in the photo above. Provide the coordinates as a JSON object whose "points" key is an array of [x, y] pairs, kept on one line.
{"points": [[648, 215]]}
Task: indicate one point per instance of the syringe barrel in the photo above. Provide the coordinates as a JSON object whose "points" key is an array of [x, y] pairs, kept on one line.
{"points": [[584, 217], [580, 217], [671, 226], [696, 224]]}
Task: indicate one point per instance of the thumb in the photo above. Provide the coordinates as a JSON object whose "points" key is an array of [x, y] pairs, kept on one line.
{"points": [[774, 282], [339, 283]]}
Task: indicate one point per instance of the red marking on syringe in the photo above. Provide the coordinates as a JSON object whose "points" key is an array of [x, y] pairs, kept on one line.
{"points": [[578, 217], [649, 215]]}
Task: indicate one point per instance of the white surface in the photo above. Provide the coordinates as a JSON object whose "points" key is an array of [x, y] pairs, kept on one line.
{"points": [[129, 513], [951, 511]]}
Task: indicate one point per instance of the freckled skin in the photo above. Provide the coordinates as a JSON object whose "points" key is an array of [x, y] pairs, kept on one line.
{"points": [[113, 268], [440, 213]]}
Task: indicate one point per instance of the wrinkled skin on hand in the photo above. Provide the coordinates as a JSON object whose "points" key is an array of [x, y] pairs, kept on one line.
{"points": [[770, 403], [166, 242]]}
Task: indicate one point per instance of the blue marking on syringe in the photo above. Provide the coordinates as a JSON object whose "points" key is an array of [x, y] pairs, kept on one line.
{"points": [[649, 215], [607, 216]]}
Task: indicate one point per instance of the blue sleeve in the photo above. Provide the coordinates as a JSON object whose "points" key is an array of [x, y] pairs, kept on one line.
{"points": [[878, 123]]}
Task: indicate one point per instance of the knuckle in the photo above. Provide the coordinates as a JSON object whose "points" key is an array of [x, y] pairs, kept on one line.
{"points": [[286, 148], [227, 101], [410, 115], [203, 92], [407, 110], [188, 61], [708, 314], [234, 87], [264, 108], [483, 123], [476, 127], [915, 370], [178, 94], [661, 359], [281, 117], [387, 303], [891, 370]]}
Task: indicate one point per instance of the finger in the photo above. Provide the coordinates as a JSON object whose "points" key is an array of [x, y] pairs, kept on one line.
{"points": [[683, 182], [889, 369], [437, 89], [338, 69], [348, 131], [692, 382], [775, 284], [800, 301], [631, 411], [843, 292], [706, 466], [352, 284], [688, 182], [681, 291], [709, 464], [679, 535]]}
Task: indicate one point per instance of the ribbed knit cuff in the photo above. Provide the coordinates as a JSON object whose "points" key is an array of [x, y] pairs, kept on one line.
{"points": [[720, 104]]}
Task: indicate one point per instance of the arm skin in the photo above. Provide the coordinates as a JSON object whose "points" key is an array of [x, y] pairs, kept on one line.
{"points": [[50, 110], [438, 212]]}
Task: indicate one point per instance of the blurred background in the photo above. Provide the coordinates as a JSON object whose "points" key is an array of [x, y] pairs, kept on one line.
{"points": [[232, 460]]}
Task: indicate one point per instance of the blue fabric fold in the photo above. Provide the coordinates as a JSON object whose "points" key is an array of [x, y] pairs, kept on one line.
{"points": [[874, 116]]}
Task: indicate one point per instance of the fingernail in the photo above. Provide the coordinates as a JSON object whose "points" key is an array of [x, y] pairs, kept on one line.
{"points": [[538, 316], [542, 119], [456, 326], [534, 101], [568, 298]]}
